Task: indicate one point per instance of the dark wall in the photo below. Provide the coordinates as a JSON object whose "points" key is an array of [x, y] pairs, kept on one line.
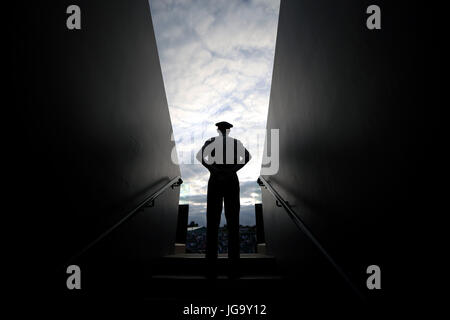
{"points": [[96, 132], [343, 98]]}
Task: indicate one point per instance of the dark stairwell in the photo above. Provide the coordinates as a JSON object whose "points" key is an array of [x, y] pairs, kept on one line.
{"points": [[98, 133]]}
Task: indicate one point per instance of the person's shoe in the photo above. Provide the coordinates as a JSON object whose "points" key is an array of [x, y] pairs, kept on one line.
{"points": [[233, 275], [233, 272], [211, 272], [211, 275]]}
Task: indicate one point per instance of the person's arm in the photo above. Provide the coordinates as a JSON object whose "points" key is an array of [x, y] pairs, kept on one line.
{"points": [[247, 158], [199, 156], [201, 159]]}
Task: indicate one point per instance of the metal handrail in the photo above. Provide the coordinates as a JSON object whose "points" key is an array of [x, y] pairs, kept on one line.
{"points": [[262, 182], [147, 202]]}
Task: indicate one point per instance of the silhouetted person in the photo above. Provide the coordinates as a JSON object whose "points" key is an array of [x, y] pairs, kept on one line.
{"points": [[223, 157]]}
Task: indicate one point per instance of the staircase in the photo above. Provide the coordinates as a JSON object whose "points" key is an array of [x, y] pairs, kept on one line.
{"points": [[180, 279], [194, 266]]}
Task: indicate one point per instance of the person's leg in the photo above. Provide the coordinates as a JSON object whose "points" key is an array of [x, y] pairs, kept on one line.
{"points": [[213, 212], [232, 207]]}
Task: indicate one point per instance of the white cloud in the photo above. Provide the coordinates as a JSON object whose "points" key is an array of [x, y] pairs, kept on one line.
{"points": [[217, 60]]}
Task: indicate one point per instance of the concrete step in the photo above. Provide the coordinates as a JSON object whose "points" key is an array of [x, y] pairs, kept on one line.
{"points": [[196, 264], [219, 277]]}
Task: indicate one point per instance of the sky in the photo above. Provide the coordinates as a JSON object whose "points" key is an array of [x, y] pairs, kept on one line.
{"points": [[216, 59]]}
